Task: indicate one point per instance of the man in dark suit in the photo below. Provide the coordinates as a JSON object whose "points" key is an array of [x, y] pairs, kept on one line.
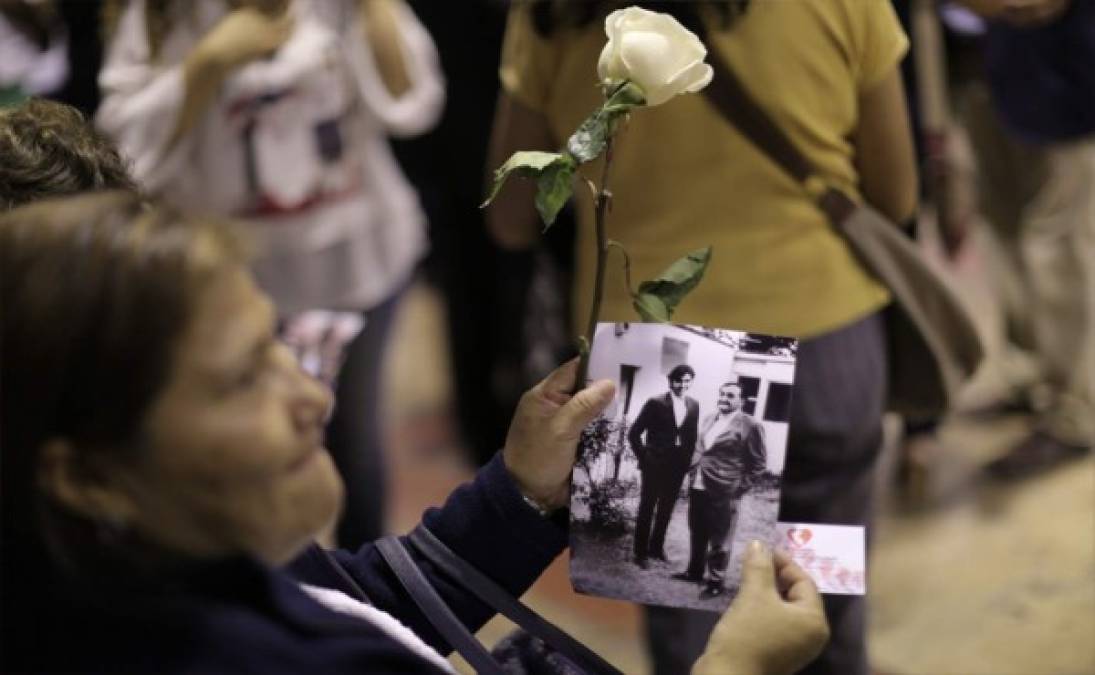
{"points": [[662, 437]]}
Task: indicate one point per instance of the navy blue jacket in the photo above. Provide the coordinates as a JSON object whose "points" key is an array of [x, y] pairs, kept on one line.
{"points": [[1043, 78], [238, 615]]}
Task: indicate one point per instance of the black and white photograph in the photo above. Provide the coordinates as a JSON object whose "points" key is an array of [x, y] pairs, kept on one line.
{"points": [[683, 469]]}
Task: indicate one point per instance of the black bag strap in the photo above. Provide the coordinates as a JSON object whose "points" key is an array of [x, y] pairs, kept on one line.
{"points": [[435, 609], [351, 585], [730, 97], [501, 600]]}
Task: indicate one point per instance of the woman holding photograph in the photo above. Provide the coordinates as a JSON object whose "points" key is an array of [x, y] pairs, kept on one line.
{"points": [[164, 478], [827, 73]]}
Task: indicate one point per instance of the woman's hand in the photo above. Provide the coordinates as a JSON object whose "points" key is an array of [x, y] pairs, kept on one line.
{"points": [[241, 36], [543, 437], [776, 624]]}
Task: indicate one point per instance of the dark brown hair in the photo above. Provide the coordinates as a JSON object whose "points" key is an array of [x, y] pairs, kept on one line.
{"points": [[96, 291], [36, 21], [49, 149]]}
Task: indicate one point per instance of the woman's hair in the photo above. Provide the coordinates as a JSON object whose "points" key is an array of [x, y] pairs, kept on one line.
{"points": [[548, 16], [35, 21], [49, 149], [96, 292]]}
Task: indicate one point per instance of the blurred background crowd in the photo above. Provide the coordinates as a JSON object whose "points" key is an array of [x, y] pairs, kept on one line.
{"points": [[353, 137]]}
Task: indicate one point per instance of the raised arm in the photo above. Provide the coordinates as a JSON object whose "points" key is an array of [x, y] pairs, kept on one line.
{"points": [[397, 67]]}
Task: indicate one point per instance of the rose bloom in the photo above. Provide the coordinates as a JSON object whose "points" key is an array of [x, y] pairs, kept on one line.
{"points": [[655, 52]]}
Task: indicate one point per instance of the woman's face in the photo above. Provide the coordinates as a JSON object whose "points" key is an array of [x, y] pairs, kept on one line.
{"points": [[233, 459]]}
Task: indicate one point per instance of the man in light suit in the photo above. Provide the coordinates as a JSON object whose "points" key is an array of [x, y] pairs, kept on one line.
{"points": [[663, 438], [730, 455]]}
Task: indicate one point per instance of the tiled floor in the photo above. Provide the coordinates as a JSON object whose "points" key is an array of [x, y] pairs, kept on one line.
{"points": [[989, 581]]}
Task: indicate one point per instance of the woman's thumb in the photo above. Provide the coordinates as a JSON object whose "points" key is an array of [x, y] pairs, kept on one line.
{"points": [[584, 407], [757, 569]]}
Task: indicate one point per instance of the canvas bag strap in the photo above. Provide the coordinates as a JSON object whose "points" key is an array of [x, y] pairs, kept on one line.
{"points": [[434, 608], [730, 97], [501, 600]]}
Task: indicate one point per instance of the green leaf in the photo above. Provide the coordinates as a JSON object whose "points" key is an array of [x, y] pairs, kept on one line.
{"points": [[589, 141], [677, 281], [650, 307], [554, 188], [526, 164]]}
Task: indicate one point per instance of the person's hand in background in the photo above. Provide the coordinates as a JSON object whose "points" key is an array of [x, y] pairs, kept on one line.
{"points": [[242, 36]]}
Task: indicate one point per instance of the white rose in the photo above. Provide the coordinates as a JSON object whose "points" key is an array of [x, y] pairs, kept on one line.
{"points": [[654, 51]]}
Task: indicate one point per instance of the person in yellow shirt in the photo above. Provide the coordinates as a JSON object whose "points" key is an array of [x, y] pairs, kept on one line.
{"points": [[683, 178]]}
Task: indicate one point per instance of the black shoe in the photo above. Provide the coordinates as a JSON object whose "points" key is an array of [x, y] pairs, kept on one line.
{"points": [[659, 555], [642, 562], [688, 576], [712, 591], [1037, 453]]}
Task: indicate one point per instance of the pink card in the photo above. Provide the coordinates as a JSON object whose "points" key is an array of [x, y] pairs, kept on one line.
{"points": [[833, 555]]}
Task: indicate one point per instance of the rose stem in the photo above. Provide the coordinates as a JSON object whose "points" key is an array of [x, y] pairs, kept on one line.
{"points": [[603, 198]]}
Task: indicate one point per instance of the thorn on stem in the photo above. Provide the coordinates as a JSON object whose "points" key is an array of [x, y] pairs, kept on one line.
{"points": [[592, 188]]}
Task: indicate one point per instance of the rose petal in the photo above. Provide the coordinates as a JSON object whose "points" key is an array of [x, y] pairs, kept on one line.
{"points": [[654, 51], [614, 24], [680, 80], [645, 57], [691, 79], [606, 63]]}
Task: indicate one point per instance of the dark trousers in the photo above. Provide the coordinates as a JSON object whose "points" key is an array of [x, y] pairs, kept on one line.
{"points": [[657, 496], [722, 519], [698, 531], [354, 434], [712, 519], [834, 440]]}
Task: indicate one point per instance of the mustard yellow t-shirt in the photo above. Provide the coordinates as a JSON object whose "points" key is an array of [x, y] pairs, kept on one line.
{"points": [[683, 178]]}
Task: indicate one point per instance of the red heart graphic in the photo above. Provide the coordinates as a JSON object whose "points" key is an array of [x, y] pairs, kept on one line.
{"points": [[799, 536], [842, 575]]}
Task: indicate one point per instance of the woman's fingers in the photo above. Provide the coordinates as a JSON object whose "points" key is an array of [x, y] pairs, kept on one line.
{"points": [[584, 407], [559, 384], [756, 569], [542, 439], [796, 585]]}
